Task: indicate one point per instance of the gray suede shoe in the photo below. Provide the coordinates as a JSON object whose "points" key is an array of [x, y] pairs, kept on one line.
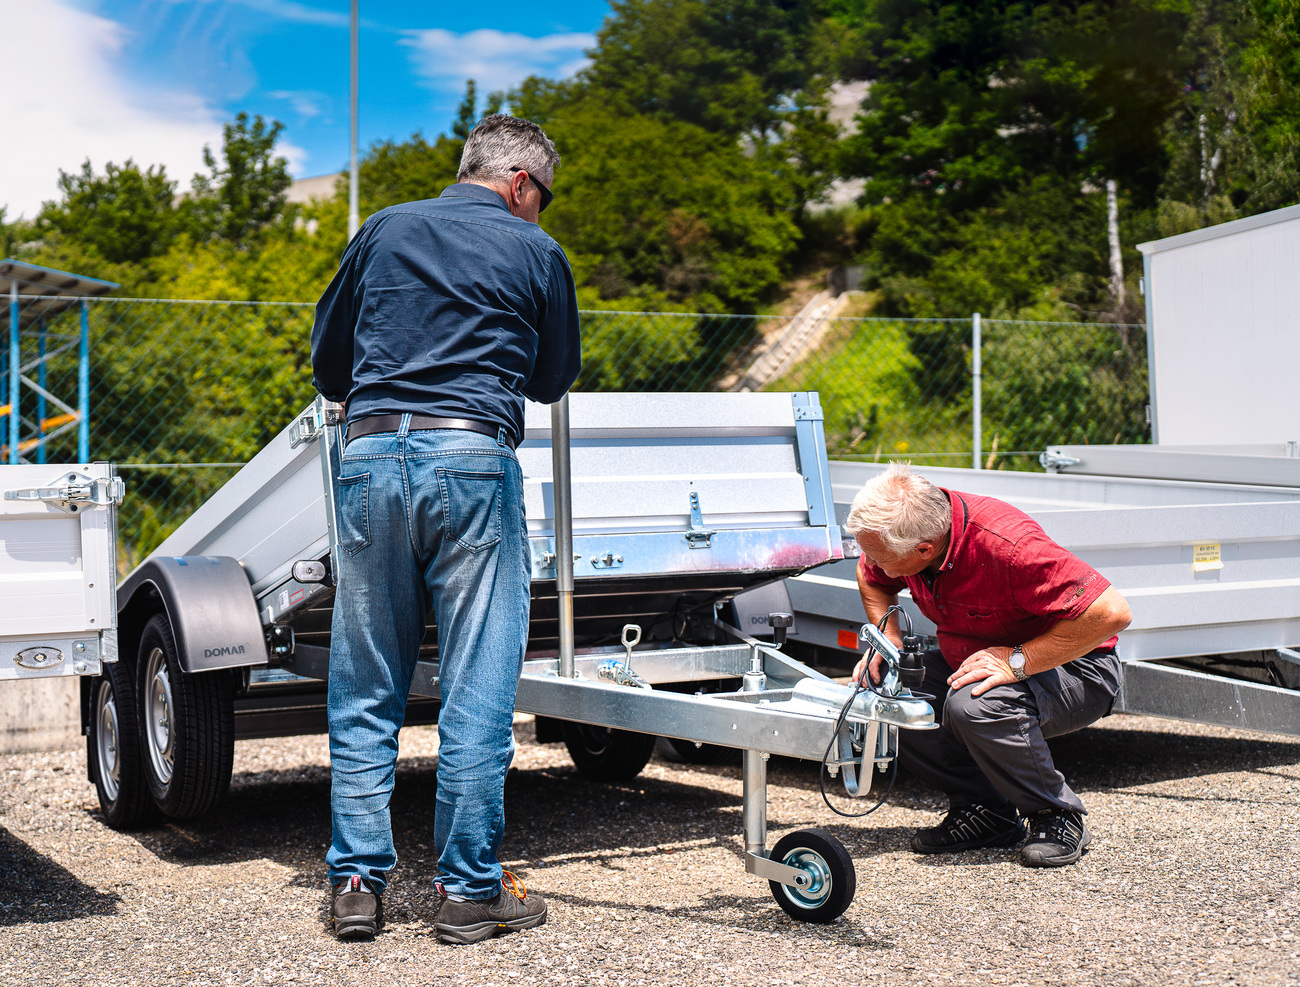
{"points": [[474, 920], [356, 912]]}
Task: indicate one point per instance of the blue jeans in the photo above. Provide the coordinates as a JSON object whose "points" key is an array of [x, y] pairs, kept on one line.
{"points": [[430, 520]]}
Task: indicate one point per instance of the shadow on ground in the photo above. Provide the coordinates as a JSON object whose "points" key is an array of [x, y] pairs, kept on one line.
{"points": [[36, 889], [556, 816]]}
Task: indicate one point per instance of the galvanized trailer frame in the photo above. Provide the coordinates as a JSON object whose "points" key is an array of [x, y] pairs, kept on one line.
{"points": [[646, 515], [1214, 631]]}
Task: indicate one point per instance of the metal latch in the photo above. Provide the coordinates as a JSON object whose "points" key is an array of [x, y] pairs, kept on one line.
{"points": [[311, 424], [73, 491], [547, 559], [697, 536], [607, 561], [1053, 461], [304, 429]]}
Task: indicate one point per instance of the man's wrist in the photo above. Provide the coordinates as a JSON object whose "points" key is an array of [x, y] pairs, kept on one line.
{"points": [[1016, 662]]}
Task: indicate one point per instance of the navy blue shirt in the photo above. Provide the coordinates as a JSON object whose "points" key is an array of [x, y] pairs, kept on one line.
{"points": [[451, 307]]}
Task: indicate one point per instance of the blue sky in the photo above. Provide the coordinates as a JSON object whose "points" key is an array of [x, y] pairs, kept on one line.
{"points": [[154, 80]]}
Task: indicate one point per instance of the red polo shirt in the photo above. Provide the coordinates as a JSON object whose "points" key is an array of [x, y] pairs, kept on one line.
{"points": [[1002, 582]]}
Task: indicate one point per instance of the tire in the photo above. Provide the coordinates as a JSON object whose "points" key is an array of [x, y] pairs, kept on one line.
{"points": [[602, 754], [834, 879], [187, 726], [114, 750], [687, 752]]}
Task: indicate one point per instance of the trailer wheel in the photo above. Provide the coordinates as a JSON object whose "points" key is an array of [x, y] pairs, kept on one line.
{"points": [[187, 725], [115, 748], [602, 754], [834, 880]]}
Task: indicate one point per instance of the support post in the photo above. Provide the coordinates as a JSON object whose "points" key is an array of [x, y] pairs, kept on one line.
{"points": [[754, 802], [977, 397], [40, 392], [562, 500], [83, 387], [354, 180], [15, 367]]}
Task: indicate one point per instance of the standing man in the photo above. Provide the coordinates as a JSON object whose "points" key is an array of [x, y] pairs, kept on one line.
{"points": [[444, 315], [1026, 652]]}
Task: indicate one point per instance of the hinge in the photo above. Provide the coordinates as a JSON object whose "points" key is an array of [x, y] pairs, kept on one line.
{"points": [[75, 491], [697, 536]]}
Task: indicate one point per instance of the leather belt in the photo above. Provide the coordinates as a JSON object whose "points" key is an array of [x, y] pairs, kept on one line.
{"points": [[374, 424]]}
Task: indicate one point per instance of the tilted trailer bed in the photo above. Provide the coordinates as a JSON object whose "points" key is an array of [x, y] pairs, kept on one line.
{"points": [[1203, 543], [647, 514]]}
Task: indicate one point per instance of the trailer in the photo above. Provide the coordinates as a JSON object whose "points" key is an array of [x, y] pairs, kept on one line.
{"points": [[1201, 529], [58, 569], [647, 515]]}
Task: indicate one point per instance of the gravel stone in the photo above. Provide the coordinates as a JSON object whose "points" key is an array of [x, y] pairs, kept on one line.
{"points": [[1193, 877]]}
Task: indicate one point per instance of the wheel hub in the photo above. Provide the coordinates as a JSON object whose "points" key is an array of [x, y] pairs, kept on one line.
{"points": [[158, 717], [110, 764]]}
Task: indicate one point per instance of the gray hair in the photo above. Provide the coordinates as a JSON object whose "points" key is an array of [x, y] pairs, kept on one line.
{"points": [[900, 508], [500, 143]]}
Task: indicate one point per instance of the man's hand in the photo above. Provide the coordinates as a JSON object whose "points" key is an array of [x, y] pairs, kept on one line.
{"points": [[988, 667], [875, 661]]}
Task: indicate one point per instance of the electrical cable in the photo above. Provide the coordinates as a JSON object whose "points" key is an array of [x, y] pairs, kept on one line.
{"points": [[860, 685]]}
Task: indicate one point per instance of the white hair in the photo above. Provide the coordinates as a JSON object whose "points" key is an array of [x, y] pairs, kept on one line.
{"points": [[900, 508], [501, 143]]}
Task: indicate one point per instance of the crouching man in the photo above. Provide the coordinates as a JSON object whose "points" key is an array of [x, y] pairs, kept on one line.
{"points": [[1026, 652]]}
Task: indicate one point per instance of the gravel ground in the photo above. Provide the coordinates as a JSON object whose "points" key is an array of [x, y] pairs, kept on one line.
{"points": [[1193, 878]]}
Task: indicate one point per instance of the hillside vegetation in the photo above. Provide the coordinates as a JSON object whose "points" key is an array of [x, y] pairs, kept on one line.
{"points": [[697, 143]]}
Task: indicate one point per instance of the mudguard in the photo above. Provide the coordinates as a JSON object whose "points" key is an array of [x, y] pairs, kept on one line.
{"points": [[210, 604]]}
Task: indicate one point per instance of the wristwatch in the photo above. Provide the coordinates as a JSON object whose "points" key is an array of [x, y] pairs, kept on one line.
{"points": [[1017, 663]]}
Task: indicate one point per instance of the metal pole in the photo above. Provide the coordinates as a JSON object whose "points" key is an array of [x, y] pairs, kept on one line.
{"points": [[40, 394], [14, 368], [354, 197], [977, 397], [753, 802], [83, 387], [562, 499]]}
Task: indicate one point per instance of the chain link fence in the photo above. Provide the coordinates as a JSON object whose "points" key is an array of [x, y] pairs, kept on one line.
{"points": [[180, 394]]}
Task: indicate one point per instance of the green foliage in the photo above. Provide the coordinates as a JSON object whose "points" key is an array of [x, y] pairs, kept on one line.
{"points": [[667, 209], [244, 193], [124, 216], [724, 65]]}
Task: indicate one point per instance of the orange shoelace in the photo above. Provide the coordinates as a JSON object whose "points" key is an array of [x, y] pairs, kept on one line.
{"points": [[514, 885]]}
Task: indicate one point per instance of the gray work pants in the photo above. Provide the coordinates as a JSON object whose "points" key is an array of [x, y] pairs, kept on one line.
{"points": [[992, 750]]}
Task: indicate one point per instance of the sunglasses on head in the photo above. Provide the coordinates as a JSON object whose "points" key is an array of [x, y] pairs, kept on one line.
{"points": [[547, 194]]}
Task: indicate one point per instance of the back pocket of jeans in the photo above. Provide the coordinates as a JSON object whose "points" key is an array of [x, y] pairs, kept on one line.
{"points": [[354, 513], [471, 507]]}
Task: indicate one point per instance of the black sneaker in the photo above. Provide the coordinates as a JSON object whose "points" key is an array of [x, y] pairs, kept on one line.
{"points": [[355, 910], [966, 828], [474, 920], [1057, 837]]}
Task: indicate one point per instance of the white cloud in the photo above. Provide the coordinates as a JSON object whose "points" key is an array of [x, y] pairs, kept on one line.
{"points": [[284, 10], [494, 59], [77, 103]]}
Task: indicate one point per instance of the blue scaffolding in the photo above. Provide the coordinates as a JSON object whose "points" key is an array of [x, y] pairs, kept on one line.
{"points": [[37, 296]]}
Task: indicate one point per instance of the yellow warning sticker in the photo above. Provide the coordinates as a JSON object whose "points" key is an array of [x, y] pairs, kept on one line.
{"points": [[1207, 557]]}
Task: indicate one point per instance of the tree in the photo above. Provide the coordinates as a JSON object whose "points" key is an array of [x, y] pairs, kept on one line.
{"points": [[242, 196], [125, 215], [724, 65]]}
